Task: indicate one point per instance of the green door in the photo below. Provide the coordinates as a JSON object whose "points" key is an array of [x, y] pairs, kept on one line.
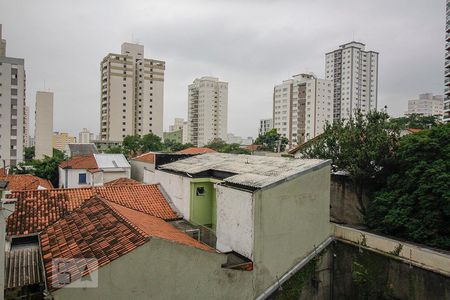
{"points": [[203, 204]]}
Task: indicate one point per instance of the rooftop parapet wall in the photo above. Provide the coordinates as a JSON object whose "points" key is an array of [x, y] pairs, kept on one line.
{"points": [[423, 257]]}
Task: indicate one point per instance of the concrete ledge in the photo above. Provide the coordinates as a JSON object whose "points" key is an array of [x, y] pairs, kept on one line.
{"points": [[420, 256]]}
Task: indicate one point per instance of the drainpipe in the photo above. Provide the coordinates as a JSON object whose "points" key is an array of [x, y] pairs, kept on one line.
{"points": [[271, 289]]}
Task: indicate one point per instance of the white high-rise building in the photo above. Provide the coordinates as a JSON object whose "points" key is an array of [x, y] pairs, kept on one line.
{"points": [[446, 113], [302, 106], [85, 136], [132, 94], [427, 105], [264, 126], [26, 127], [43, 124], [207, 110], [354, 73], [12, 107]]}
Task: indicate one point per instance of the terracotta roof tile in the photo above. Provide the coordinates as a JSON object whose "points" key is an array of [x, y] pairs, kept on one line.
{"points": [[122, 181], [194, 150], [35, 210], [96, 231], [148, 157], [105, 231], [80, 162], [22, 182], [157, 227]]}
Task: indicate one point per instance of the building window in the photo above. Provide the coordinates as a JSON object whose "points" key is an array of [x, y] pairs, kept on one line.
{"points": [[200, 191], [82, 178]]}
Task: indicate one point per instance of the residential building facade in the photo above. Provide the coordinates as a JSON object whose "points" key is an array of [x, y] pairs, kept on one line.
{"points": [[93, 170], [61, 139], [354, 72], [12, 106], [26, 127], [43, 124], [207, 110], [302, 106], [446, 114], [179, 131], [427, 105], [85, 136], [132, 93], [264, 126]]}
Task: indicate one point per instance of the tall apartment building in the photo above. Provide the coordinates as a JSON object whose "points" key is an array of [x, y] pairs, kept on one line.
{"points": [[43, 124], [61, 139], [207, 110], [132, 93], [85, 136], [264, 126], [26, 127], [302, 106], [12, 106], [446, 113], [427, 105], [182, 126], [354, 72]]}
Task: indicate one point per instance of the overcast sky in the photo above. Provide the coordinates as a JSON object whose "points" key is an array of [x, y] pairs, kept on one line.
{"points": [[251, 44]]}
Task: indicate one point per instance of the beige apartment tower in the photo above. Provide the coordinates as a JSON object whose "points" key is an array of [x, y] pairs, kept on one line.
{"points": [[207, 110], [132, 94], [302, 106], [12, 107], [43, 124], [354, 72], [61, 139]]}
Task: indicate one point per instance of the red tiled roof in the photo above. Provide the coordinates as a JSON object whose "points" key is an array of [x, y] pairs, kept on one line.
{"points": [[22, 182], [148, 157], [35, 210], [413, 130], [80, 162], [194, 150], [122, 181], [251, 147], [2, 172], [104, 231], [157, 227], [92, 231]]}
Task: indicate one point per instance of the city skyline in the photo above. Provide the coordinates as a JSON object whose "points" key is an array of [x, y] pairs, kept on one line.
{"points": [[252, 68]]}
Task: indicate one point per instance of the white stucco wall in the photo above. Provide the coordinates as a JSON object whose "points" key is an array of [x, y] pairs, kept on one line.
{"points": [[138, 169], [72, 178], [234, 221], [109, 175], [177, 187]]}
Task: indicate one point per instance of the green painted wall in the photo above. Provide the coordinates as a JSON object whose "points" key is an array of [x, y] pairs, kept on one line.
{"points": [[290, 220], [203, 205], [161, 269], [175, 136]]}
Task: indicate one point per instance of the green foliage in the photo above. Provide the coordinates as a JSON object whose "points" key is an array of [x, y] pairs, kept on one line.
{"points": [[132, 144], [272, 141], [151, 142], [116, 150], [47, 168], [220, 146], [415, 203], [363, 147], [173, 146], [58, 154], [28, 153], [418, 121]]}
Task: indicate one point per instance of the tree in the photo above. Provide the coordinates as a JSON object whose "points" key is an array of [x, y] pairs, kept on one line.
{"points": [[216, 144], [415, 203], [29, 153], [418, 121], [220, 146], [132, 145], [151, 142], [272, 141], [172, 146], [362, 146], [116, 150], [47, 168]]}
